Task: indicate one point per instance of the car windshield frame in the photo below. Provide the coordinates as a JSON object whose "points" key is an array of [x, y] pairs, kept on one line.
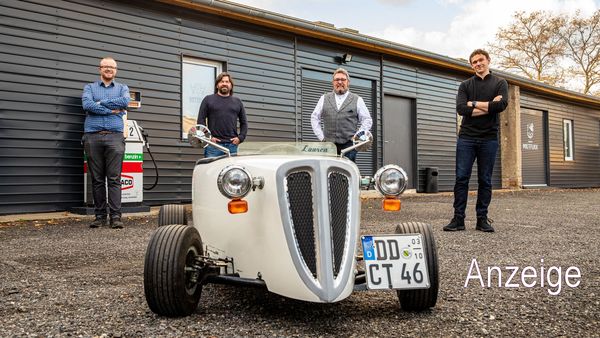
{"points": [[288, 148]]}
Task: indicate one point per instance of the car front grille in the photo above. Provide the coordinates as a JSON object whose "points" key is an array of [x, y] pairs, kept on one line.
{"points": [[338, 211], [301, 201], [320, 210]]}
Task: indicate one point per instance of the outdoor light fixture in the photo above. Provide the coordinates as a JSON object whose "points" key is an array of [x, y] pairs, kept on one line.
{"points": [[344, 58]]}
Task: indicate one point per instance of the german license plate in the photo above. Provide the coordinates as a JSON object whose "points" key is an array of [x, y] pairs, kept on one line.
{"points": [[395, 262]]}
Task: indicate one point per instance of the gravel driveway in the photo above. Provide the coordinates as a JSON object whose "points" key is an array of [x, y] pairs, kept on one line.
{"points": [[61, 278]]}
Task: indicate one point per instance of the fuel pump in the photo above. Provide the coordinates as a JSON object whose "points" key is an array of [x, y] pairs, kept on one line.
{"points": [[132, 175]]}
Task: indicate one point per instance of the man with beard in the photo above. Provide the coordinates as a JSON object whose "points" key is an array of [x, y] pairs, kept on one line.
{"points": [[223, 110], [105, 103], [341, 112]]}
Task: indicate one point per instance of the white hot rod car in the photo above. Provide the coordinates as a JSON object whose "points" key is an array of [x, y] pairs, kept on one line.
{"points": [[286, 217]]}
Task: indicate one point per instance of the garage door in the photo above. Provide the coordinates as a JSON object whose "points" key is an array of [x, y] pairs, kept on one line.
{"points": [[533, 148]]}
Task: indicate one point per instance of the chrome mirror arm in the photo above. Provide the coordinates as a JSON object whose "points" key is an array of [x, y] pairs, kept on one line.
{"points": [[200, 136], [361, 140], [209, 142], [354, 146]]}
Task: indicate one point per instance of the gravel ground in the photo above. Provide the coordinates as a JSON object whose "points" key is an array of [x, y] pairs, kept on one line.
{"points": [[61, 278]]}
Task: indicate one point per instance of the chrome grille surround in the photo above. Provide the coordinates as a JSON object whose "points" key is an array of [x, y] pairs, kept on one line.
{"points": [[320, 198]]}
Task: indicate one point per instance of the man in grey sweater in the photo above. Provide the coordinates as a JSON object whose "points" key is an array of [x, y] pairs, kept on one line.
{"points": [[223, 110], [342, 113]]}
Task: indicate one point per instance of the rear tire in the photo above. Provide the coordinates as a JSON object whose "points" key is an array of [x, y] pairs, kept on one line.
{"points": [[417, 300], [168, 271], [172, 214]]}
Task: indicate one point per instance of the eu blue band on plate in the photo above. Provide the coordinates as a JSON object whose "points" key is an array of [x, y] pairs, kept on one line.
{"points": [[368, 248]]}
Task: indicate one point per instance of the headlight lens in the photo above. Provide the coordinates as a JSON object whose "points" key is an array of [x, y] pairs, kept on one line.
{"points": [[234, 182], [391, 180]]}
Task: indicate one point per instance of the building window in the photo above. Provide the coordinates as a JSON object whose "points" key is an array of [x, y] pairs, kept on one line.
{"points": [[197, 80], [568, 139]]}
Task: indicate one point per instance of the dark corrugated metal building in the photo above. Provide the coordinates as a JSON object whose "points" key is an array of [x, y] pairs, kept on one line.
{"points": [[281, 65]]}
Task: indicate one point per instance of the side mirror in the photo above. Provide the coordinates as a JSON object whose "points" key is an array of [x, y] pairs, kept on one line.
{"points": [[199, 135], [364, 139]]}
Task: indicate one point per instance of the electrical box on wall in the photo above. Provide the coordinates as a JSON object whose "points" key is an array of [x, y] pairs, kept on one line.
{"points": [[135, 101]]}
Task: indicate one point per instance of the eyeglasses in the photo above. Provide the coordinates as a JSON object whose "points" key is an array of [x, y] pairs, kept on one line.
{"points": [[340, 80], [107, 67]]}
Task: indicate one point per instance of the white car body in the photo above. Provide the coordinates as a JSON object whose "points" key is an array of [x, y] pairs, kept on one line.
{"points": [[264, 242], [286, 217]]}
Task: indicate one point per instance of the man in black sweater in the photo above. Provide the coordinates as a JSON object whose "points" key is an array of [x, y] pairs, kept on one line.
{"points": [[223, 111], [479, 101]]}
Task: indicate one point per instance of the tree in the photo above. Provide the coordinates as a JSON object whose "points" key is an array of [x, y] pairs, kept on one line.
{"points": [[582, 41], [531, 45]]}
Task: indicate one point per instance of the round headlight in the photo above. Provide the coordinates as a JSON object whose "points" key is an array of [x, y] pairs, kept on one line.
{"points": [[234, 182], [391, 180]]}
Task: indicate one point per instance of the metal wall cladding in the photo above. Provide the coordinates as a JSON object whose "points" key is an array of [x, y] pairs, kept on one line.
{"points": [[583, 171], [52, 49]]}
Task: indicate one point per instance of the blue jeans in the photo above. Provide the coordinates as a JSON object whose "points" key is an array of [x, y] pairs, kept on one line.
{"points": [[467, 151], [211, 151]]}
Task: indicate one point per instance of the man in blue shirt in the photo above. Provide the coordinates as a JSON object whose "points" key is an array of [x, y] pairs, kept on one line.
{"points": [[105, 103]]}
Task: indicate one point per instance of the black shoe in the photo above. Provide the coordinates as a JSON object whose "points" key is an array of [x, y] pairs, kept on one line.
{"points": [[98, 222], [115, 223], [455, 224], [484, 224]]}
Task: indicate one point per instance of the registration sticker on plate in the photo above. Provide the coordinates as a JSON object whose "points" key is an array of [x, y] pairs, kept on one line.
{"points": [[395, 262]]}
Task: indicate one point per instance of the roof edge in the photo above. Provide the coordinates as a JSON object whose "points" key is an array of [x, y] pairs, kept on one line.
{"points": [[348, 38]]}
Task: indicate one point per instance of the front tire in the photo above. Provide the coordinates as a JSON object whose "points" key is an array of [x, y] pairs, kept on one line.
{"points": [[417, 300], [172, 214], [171, 282]]}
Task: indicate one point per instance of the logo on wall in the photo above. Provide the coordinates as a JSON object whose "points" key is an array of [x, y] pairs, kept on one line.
{"points": [[530, 130]]}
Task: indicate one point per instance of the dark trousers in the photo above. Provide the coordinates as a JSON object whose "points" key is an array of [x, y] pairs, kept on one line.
{"points": [[467, 151], [105, 162], [351, 154]]}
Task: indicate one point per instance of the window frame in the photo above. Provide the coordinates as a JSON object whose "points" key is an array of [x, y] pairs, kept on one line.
{"points": [[568, 143], [219, 66]]}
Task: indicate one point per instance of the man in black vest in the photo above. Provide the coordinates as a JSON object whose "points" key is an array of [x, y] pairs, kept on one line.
{"points": [[341, 112], [479, 101]]}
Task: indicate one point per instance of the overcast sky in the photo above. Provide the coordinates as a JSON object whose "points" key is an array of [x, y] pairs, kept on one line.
{"points": [[447, 27]]}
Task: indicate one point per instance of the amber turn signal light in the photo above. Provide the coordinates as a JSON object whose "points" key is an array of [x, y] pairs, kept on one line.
{"points": [[391, 204], [237, 206]]}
